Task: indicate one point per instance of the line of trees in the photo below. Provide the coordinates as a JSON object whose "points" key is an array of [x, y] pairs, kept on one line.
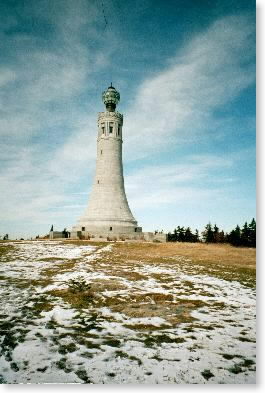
{"points": [[181, 234], [245, 236]]}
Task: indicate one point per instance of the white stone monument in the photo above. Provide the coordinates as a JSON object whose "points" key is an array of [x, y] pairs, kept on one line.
{"points": [[108, 213]]}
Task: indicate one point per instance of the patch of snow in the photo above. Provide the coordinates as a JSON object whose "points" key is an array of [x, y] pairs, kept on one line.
{"points": [[61, 315]]}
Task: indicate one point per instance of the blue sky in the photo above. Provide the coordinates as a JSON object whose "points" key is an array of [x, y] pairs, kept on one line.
{"points": [[185, 70]]}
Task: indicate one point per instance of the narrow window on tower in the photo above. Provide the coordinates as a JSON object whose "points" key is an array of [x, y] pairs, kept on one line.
{"points": [[101, 152], [103, 128], [110, 128], [110, 228], [98, 181], [83, 228], [119, 130]]}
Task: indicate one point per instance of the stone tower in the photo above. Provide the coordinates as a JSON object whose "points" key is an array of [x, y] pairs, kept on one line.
{"points": [[108, 212]]}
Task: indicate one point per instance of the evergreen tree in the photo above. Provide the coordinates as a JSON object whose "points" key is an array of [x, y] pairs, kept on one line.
{"points": [[169, 237], [227, 238], [173, 237], [196, 236], [221, 237], [215, 234], [235, 236], [180, 234], [208, 234], [252, 233], [188, 236], [245, 235]]}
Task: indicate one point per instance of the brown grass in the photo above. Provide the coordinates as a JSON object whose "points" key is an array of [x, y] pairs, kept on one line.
{"points": [[197, 252], [68, 265], [4, 250], [85, 242], [77, 300], [107, 285]]}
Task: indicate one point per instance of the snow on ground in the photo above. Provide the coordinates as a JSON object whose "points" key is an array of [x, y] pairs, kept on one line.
{"points": [[45, 339], [31, 258]]}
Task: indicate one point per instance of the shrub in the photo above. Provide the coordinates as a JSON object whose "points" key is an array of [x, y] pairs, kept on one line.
{"points": [[78, 285]]}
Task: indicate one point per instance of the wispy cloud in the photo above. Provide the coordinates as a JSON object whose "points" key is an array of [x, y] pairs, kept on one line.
{"points": [[157, 185], [43, 76], [178, 104]]}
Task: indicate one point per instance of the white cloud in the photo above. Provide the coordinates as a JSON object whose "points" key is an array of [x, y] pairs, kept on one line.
{"points": [[178, 103], [48, 74], [157, 185], [6, 76]]}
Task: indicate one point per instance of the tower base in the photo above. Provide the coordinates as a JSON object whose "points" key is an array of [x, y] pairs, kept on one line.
{"points": [[76, 233]]}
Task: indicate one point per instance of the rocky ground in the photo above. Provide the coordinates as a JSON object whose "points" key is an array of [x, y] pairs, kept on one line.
{"points": [[84, 312]]}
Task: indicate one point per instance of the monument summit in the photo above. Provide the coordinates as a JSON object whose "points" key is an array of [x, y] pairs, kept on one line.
{"points": [[108, 214]]}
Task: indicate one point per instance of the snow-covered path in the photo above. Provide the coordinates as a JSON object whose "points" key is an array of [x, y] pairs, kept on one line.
{"points": [[146, 323]]}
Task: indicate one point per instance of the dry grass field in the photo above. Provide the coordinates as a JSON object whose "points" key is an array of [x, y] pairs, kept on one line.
{"points": [[89, 312]]}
